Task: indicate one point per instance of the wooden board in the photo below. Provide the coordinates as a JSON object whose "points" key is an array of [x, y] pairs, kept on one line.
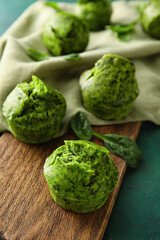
{"points": [[27, 211]]}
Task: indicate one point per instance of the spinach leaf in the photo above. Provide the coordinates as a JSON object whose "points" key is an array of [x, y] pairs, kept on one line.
{"points": [[37, 56], [122, 146], [53, 5], [81, 126], [72, 57], [121, 28], [125, 37], [123, 31]]}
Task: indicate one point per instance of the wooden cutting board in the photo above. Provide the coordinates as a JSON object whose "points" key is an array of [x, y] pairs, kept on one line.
{"points": [[27, 211]]}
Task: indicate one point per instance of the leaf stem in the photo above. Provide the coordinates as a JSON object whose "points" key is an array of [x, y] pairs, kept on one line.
{"points": [[99, 135]]}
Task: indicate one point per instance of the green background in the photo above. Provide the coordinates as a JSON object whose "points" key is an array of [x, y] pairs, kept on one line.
{"points": [[136, 213]]}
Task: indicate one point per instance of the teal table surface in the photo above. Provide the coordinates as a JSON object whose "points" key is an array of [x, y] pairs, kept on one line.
{"points": [[136, 213]]}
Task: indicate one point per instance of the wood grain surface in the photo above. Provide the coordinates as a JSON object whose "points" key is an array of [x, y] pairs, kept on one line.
{"points": [[27, 211]]}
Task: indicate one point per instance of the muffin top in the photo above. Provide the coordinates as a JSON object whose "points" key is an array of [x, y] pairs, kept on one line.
{"points": [[111, 81], [150, 18], [65, 33], [95, 13], [81, 171], [33, 104]]}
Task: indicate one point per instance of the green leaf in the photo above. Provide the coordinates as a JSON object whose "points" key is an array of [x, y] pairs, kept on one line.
{"points": [[123, 31], [119, 28], [125, 37], [37, 56], [122, 28], [72, 57], [53, 5], [122, 146], [81, 126]]}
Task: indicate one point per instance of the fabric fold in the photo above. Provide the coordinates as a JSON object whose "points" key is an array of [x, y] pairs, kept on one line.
{"points": [[16, 66]]}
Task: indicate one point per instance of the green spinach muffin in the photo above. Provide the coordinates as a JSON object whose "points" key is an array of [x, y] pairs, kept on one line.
{"points": [[80, 175], [65, 33], [110, 88], [150, 18], [95, 13], [34, 111]]}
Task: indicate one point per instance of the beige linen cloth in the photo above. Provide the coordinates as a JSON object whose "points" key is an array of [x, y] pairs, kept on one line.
{"points": [[63, 75]]}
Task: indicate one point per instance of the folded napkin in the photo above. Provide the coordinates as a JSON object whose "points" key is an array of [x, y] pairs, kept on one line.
{"points": [[63, 75]]}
